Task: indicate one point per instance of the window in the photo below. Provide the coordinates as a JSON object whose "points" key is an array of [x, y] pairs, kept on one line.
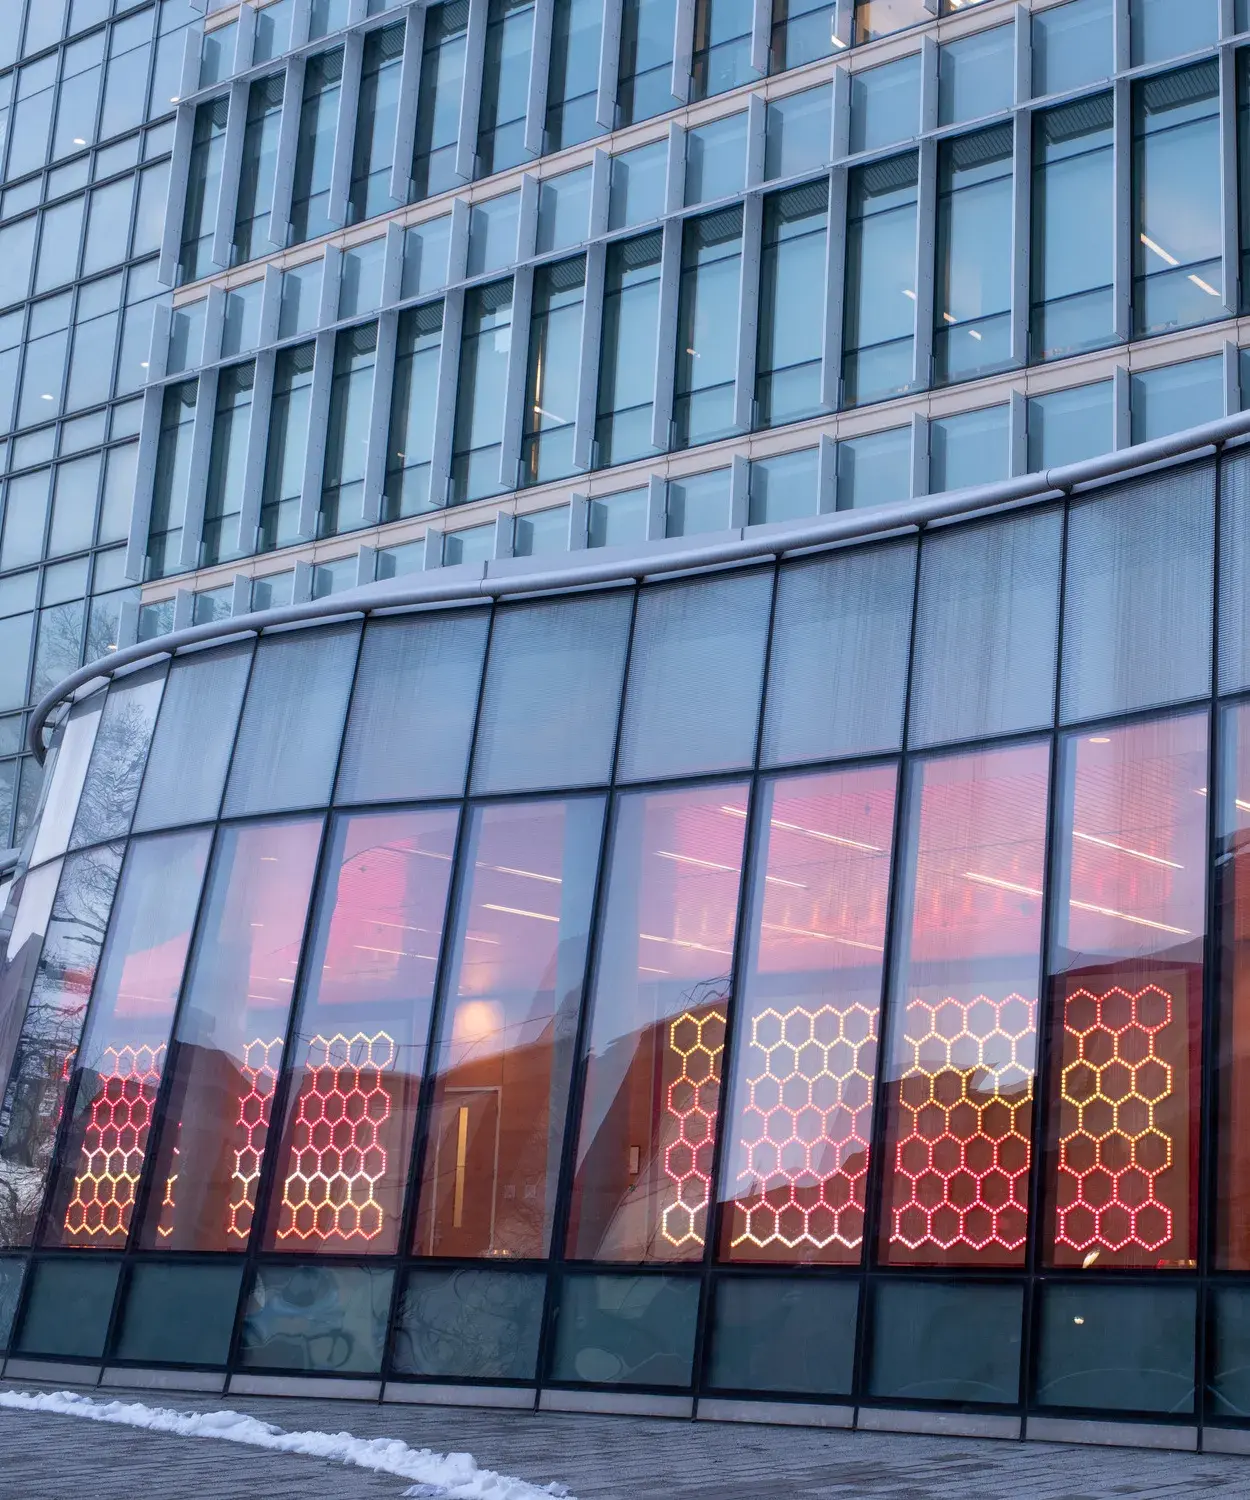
{"points": [[802, 31], [722, 46], [1167, 28], [627, 360], [1067, 426], [347, 432], [644, 84], [503, 1060], [314, 154], [874, 18], [377, 113], [493, 227], [637, 185], [505, 85], [961, 1056], [1072, 46], [1232, 1227], [642, 1181], [256, 173], [1177, 274], [573, 76], [438, 99], [795, 1174], [208, 144], [880, 312], [1073, 189], [552, 381], [969, 449], [173, 465], [972, 328], [123, 1052], [792, 294], [563, 211], [1175, 397], [228, 1043], [784, 487], [798, 133], [1126, 998], [409, 453], [976, 75], [485, 344], [227, 465], [716, 160], [288, 441], [707, 339], [885, 104]]}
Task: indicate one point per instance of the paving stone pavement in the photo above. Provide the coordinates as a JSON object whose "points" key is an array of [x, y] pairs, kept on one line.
{"points": [[49, 1457]]}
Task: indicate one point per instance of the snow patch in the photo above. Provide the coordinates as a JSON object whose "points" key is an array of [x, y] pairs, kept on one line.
{"points": [[455, 1476]]}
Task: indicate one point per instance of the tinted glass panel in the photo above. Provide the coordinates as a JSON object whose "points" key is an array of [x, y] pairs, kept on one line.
{"points": [[361, 1034], [1232, 1199], [1126, 997], [1117, 1348], [412, 712], [796, 1336], [633, 1330], [657, 1030], [461, 1324], [946, 1343], [68, 1308], [796, 1165], [179, 1314], [118, 758], [504, 1057], [695, 674], [316, 1318], [552, 694]]}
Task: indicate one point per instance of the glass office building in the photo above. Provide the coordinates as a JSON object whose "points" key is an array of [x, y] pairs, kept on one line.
{"points": [[658, 815]]}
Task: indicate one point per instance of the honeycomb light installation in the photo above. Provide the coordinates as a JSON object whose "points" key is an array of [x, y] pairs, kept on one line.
{"points": [[666, 831]]}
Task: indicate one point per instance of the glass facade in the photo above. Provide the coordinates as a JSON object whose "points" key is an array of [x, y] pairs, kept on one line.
{"points": [[807, 979]]}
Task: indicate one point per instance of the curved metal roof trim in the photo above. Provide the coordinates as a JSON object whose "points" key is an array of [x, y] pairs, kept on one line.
{"points": [[751, 545]]}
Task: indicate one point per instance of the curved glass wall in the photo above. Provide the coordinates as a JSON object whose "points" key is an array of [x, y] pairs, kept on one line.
{"points": [[526, 994]]}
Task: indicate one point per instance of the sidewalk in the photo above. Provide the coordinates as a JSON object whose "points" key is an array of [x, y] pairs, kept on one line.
{"points": [[52, 1457]]}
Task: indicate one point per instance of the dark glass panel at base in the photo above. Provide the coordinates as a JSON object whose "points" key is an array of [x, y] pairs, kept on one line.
{"points": [[68, 1310], [946, 1343], [11, 1270], [179, 1314], [793, 1336], [316, 1318], [1117, 1348], [626, 1330], [465, 1324], [1228, 1357]]}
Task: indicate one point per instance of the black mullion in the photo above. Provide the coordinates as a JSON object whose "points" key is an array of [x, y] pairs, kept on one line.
{"points": [[277, 1108], [1051, 860], [875, 1182], [1212, 978], [556, 1258], [425, 1089], [737, 974]]}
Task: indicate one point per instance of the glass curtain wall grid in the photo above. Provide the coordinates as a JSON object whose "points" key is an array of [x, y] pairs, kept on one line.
{"points": [[88, 96], [908, 226], [525, 993]]}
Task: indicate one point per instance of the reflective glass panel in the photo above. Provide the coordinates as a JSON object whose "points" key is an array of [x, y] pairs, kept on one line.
{"points": [[121, 1060], [503, 1061], [945, 1343], [783, 1335], [316, 1318], [469, 1323], [118, 757], [626, 1330], [229, 1037], [1126, 997], [1232, 1197], [360, 1039], [961, 1055], [657, 1029], [794, 1179]]}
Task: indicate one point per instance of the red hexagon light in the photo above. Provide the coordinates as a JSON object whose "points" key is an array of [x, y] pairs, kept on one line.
{"points": [[114, 1143]]}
